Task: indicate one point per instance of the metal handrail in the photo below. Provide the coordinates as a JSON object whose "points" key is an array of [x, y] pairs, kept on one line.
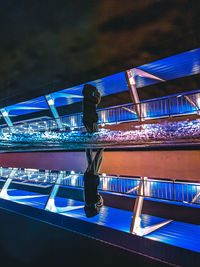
{"points": [[149, 109], [170, 190]]}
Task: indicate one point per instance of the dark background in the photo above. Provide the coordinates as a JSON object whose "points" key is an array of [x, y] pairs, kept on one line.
{"points": [[50, 45]]}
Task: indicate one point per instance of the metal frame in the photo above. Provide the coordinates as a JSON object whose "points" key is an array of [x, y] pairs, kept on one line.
{"points": [[196, 196], [130, 74], [135, 227], [50, 204], [3, 193], [54, 111], [7, 119], [136, 220], [192, 103], [133, 91], [128, 107]]}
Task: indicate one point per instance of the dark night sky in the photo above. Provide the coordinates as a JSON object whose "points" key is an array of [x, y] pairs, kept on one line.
{"points": [[49, 45]]}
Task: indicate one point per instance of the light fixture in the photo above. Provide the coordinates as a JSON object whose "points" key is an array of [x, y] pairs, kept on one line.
{"points": [[51, 102], [5, 113], [132, 81]]}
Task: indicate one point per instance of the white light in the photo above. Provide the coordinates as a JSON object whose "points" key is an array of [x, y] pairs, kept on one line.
{"points": [[103, 116], [105, 184], [51, 102], [5, 113], [198, 102], [73, 180], [104, 174], [72, 172], [132, 81]]}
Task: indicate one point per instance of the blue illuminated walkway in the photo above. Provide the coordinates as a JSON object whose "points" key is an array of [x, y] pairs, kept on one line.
{"points": [[176, 233]]}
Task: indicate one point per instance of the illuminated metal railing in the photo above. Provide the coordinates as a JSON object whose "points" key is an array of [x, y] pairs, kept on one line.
{"points": [[165, 189], [141, 187], [183, 104]]}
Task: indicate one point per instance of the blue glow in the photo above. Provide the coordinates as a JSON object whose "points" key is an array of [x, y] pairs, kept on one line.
{"points": [[170, 68], [112, 84], [177, 66], [184, 192], [30, 106], [176, 233]]}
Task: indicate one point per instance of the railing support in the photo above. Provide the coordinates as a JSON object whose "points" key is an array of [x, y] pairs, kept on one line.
{"points": [[135, 224], [54, 112], [192, 103], [7, 119], [136, 220], [3, 193], [50, 204], [133, 91], [196, 196], [169, 107]]}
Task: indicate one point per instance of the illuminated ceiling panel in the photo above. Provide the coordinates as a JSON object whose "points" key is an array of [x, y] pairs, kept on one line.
{"points": [[109, 85], [173, 67], [181, 65], [30, 106]]}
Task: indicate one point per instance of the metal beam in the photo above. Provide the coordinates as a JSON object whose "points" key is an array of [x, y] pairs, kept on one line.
{"points": [[7, 119], [149, 229], [136, 221], [133, 92], [3, 193], [130, 110], [146, 74], [50, 204], [192, 103], [196, 196], [131, 74], [53, 109], [135, 224], [132, 189]]}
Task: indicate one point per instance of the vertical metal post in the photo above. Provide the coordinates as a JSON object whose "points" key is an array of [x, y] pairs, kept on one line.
{"points": [[169, 107], [3, 193], [51, 199], [7, 119], [135, 224], [133, 91], [118, 184], [174, 190], [53, 109]]}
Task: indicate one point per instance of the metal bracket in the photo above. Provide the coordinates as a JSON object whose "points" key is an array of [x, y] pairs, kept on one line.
{"points": [[3, 193], [196, 196], [136, 220], [131, 111], [132, 189], [50, 204], [133, 91], [192, 103], [7, 119], [54, 111]]}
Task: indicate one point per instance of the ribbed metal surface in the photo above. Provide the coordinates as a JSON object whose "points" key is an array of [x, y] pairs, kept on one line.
{"points": [[178, 234], [173, 67], [170, 68]]}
